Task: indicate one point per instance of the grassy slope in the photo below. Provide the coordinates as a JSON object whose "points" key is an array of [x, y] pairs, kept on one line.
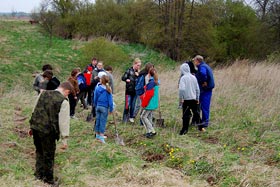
{"points": [[240, 148]]}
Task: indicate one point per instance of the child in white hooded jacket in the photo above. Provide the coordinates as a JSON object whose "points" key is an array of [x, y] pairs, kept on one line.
{"points": [[189, 97]]}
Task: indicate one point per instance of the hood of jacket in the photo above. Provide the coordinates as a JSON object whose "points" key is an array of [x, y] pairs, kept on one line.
{"points": [[185, 69]]}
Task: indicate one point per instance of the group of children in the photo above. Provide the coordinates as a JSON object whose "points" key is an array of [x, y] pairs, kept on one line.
{"points": [[95, 84], [51, 116], [94, 87]]}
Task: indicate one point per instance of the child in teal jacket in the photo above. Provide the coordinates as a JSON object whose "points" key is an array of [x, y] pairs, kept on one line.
{"points": [[150, 100]]}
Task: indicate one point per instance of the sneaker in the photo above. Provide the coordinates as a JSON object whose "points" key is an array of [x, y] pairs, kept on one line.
{"points": [[73, 117], [203, 129], [131, 120], [153, 133], [150, 134], [100, 138], [182, 132], [147, 134]]}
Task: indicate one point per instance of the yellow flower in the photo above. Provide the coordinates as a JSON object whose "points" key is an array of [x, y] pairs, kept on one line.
{"points": [[177, 149], [238, 148], [191, 161], [172, 150], [167, 145], [173, 157], [144, 144], [225, 145], [243, 149]]}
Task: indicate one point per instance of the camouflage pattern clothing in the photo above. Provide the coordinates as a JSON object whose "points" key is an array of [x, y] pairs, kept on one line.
{"points": [[45, 124]]}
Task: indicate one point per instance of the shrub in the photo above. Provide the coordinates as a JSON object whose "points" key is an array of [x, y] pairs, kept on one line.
{"points": [[105, 51]]}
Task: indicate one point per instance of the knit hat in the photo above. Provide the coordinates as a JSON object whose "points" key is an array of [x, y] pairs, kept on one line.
{"points": [[101, 74]]}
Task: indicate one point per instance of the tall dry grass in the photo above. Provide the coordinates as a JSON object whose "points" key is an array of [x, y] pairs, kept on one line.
{"points": [[244, 93], [249, 87], [242, 89]]}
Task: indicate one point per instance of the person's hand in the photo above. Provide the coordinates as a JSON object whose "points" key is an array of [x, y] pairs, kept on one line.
{"points": [[75, 97], [204, 84], [127, 80], [30, 132], [136, 73], [96, 77], [197, 102], [64, 147]]}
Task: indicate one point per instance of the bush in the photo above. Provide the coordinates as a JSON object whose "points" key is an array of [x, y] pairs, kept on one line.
{"points": [[274, 57], [105, 51]]}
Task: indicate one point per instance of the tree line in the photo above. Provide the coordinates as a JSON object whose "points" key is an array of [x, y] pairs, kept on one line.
{"points": [[218, 29]]}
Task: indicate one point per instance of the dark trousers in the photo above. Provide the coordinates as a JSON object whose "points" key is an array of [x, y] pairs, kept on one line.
{"points": [[45, 150], [81, 96], [73, 103], [190, 107], [93, 108], [89, 94]]}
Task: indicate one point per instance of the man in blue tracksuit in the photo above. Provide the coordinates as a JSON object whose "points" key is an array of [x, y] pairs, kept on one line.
{"points": [[206, 84]]}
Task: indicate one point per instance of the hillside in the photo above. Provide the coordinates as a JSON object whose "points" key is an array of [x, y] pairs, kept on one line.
{"points": [[240, 148]]}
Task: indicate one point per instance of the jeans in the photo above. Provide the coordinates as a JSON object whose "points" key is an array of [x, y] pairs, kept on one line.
{"points": [[129, 107], [101, 119], [137, 105]]}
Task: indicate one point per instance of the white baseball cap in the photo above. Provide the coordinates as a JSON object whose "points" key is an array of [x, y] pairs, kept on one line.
{"points": [[101, 74]]}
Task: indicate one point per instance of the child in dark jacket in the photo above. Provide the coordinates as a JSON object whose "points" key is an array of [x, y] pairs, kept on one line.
{"points": [[150, 100], [103, 102]]}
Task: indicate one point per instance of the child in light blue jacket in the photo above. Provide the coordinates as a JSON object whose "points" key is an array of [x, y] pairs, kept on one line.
{"points": [[103, 102]]}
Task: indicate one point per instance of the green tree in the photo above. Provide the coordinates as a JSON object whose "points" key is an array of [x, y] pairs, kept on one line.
{"points": [[234, 29]]}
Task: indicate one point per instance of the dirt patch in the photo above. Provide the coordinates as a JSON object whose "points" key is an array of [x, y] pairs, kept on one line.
{"points": [[271, 162], [22, 133], [153, 157], [211, 140], [129, 175], [19, 119], [211, 180]]}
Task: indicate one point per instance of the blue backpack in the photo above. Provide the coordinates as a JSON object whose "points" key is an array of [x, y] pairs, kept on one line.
{"points": [[140, 83], [81, 82]]}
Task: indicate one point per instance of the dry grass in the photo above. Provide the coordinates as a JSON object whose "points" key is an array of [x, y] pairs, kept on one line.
{"points": [[249, 86], [244, 94], [129, 175]]}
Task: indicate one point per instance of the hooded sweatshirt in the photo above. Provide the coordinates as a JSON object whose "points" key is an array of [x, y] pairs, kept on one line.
{"points": [[103, 98], [188, 86]]}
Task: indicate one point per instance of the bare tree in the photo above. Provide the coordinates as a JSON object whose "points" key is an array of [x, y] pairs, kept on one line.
{"points": [[47, 18], [262, 7]]}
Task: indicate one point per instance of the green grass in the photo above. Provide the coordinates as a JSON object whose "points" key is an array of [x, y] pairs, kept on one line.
{"points": [[240, 148]]}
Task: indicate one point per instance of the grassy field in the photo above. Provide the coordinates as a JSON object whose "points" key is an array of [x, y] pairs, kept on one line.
{"points": [[240, 148]]}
